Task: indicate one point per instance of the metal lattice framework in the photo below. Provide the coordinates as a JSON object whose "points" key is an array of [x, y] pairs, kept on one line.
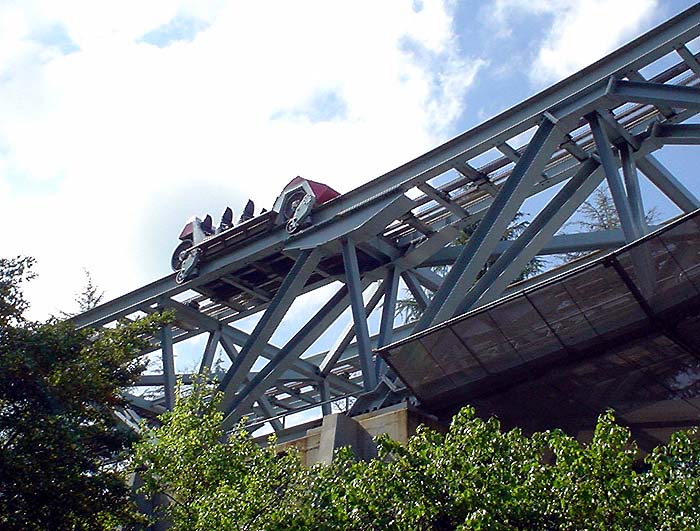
{"points": [[602, 123]]}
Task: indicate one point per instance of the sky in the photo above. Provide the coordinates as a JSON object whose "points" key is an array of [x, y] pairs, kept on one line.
{"points": [[120, 120]]}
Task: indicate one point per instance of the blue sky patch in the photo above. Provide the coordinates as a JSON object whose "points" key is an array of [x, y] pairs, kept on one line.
{"points": [[55, 36], [324, 106], [180, 28]]}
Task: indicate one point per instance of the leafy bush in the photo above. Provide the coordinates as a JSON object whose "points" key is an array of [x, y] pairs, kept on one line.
{"points": [[475, 476]]}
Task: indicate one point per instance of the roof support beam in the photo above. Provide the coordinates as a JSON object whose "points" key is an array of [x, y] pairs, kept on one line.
{"points": [[269, 412], [443, 199], [386, 325], [689, 59]]}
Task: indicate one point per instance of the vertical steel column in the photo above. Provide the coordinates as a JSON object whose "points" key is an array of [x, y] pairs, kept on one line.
{"points": [[629, 171], [386, 325], [617, 189], [325, 397], [543, 227], [292, 285], [364, 348], [489, 231], [391, 288], [348, 334], [665, 181], [166, 345]]}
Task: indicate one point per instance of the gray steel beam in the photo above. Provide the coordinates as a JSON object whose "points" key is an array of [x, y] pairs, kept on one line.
{"points": [[229, 347], [352, 274], [689, 59], [509, 151], [634, 75], [325, 397], [210, 351], [297, 345], [443, 198], [634, 194], [348, 334], [386, 325], [682, 134], [504, 207], [291, 287], [612, 175], [166, 345], [251, 290], [269, 412], [560, 208], [667, 183], [479, 179], [558, 244], [428, 278], [655, 93], [390, 289], [617, 133], [416, 290]]}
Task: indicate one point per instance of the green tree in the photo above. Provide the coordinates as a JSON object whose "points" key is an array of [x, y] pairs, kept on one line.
{"points": [[210, 484], [599, 213], [474, 476], [13, 273], [61, 446], [87, 299]]}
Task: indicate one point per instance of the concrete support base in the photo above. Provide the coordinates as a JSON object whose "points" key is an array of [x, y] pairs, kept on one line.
{"points": [[338, 430]]}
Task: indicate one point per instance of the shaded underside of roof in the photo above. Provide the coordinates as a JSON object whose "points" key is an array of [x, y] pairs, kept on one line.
{"points": [[622, 332]]}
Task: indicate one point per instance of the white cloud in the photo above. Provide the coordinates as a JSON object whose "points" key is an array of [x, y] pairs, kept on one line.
{"points": [[581, 32], [105, 152]]}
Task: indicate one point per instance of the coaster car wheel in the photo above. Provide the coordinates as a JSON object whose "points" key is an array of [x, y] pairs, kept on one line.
{"points": [[179, 254]]}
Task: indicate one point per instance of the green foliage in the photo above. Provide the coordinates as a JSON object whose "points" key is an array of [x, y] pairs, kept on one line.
{"points": [[599, 213], [13, 273], [212, 484], [475, 476], [87, 299], [60, 443]]}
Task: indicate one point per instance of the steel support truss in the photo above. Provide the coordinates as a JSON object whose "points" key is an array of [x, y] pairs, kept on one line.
{"points": [[380, 240]]}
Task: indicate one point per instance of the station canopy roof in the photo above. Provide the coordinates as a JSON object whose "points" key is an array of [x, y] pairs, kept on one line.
{"points": [[621, 332]]}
